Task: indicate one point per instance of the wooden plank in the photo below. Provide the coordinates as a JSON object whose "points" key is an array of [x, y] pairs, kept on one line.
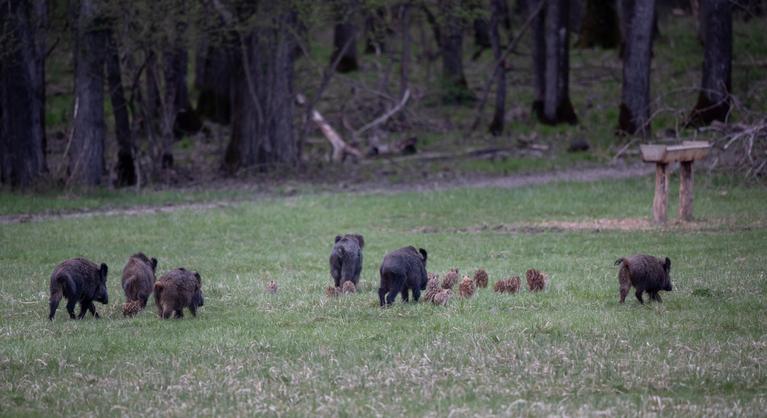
{"points": [[685, 191], [660, 202], [686, 151], [652, 153]]}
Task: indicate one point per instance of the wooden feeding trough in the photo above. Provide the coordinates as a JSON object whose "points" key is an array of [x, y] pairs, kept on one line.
{"points": [[662, 156]]}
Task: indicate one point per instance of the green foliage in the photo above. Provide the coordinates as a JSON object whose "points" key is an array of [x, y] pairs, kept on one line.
{"points": [[572, 349]]}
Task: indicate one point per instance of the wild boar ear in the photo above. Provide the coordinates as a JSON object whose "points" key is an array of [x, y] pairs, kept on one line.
{"points": [[360, 240], [667, 265], [103, 272], [338, 238], [154, 264], [423, 254], [197, 276]]}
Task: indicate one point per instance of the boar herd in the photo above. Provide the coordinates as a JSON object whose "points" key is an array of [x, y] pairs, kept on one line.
{"points": [[402, 272], [80, 280]]}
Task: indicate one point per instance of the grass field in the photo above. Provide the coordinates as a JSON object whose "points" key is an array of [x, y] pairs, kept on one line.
{"points": [[572, 350]]}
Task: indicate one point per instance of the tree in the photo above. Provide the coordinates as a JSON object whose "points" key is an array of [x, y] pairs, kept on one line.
{"points": [[213, 80], [551, 62], [599, 26], [714, 97], [404, 19], [376, 29], [634, 117], [22, 91], [455, 89], [184, 118], [86, 153], [262, 103], [125, 169], [345, 39], [496, 126]]}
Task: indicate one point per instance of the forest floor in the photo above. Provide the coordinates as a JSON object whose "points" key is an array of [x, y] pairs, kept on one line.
{"points": [[570, 350]]}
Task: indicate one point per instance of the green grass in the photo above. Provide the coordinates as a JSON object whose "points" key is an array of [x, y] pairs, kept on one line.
{"points": [[13, 203], [572, 350]]}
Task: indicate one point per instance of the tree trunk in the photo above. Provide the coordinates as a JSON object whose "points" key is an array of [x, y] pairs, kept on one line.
{"points": [[86, 153], [714, 98], [496, 126], [538, 30], [404, 18], [482, 33], [22, 95], [262, 104], [634, 117], [599, 26], [375, 31], [455, 89], [556, 102], [186, 120], [215, 82], [125, 168], [345, 33]]}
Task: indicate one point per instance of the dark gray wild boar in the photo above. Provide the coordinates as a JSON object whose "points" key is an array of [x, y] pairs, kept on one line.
{"points": [[138, 280], [346, 259], [646, 273], [78, 280], [402, 270], [176, 290]]}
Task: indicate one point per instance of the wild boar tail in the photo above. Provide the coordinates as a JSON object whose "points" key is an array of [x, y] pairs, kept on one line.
{"points": [[158, 288], [61, 284]]}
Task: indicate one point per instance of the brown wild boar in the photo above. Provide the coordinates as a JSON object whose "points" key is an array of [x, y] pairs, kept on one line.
{"points": [[176, 290], [137, 282], [646, 273]]}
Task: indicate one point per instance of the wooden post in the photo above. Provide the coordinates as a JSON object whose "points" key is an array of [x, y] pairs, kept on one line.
{"points": [[660, 202], [685, 190]]}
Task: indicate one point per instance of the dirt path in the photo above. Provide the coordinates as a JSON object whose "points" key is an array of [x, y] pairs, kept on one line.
{"points": [[508, 182]]}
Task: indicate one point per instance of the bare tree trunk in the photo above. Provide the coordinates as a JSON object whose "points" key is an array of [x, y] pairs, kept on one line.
{"points": [[40, 17], [186, 120], [345, 32], [404, 18], [600, 25], [168, 110], [86, 153], [557, 107], [22, 96], [714, 98], [482, 33], [262, 104], [538, 29], [496, 126], [215, 83], [634, 115], [375, 31], [125, 168], [455, 89]]}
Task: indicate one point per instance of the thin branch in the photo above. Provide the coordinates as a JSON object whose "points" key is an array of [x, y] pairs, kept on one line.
{"points": [[383, 118]]}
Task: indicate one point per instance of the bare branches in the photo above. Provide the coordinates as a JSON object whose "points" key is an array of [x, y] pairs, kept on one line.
{"points": [[741, 146], [340, 148], [383, 118]]}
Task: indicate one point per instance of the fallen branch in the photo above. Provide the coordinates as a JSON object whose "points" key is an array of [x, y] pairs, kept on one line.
{"points": [[340, 148], [383, 118]]}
